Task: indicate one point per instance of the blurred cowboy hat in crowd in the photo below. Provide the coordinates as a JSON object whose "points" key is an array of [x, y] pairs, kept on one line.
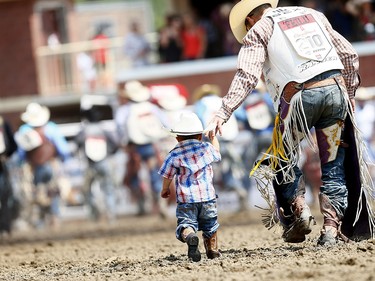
{"points": [[239, 13], [261, 86], [169, 97], [205, 90], [135, 91], [364, 94], [35, 115], [188, 124]]}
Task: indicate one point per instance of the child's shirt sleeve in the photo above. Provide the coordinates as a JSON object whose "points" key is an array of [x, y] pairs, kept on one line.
{"points": [[216, 155], [168, 170]]}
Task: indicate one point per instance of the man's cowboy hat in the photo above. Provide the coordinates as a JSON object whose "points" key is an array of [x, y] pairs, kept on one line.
{"points": [[205, 90], [136, 92], [239, 12], [35, 115], [188, 124]]}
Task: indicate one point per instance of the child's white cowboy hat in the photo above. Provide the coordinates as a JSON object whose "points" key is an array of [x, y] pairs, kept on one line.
{"points": [[239, 12], [135, 91], [188, 124], [35, 115]]}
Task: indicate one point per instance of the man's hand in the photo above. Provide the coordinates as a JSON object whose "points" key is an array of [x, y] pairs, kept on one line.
{"points": [[215, 126]]}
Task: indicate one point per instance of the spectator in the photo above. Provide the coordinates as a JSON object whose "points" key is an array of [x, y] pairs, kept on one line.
{"points": [[343, 21], [100, 53], [363, 11], [136, 47], [193, 38], [230, 44], [213, 45], [86, 66], [170, 44]]}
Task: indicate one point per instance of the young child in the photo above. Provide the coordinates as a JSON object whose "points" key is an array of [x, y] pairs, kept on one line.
{"points": [[190, 164]]}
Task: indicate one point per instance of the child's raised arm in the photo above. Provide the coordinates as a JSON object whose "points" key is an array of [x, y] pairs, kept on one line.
{"points": [[214, 140]]}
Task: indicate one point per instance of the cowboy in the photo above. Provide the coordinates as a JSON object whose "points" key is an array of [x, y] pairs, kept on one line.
{"points": [[139, 126], [189, 164], [311, 72], [9, 204], [98, 145], [39, 143]]}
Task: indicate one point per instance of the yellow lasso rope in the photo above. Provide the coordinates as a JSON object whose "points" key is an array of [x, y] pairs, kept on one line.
{"points": [[276, 149]]}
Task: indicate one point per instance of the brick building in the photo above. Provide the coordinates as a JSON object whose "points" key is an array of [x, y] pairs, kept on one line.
{"points": [[39, 40]]}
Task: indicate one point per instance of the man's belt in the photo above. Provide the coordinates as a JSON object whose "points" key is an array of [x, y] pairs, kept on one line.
{"points": [[292, 88]]}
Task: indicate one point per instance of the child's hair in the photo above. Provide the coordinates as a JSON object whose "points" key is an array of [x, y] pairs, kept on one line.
{"points": [[189, 137]]}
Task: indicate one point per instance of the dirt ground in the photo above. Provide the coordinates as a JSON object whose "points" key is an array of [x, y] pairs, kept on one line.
{"points": [[145, 248]]}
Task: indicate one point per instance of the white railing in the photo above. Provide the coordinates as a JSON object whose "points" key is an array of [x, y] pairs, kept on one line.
{"points": [[59, 72], [60, 76]]}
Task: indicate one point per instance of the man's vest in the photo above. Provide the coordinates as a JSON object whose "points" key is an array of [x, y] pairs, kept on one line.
{"points": [[299, 49], [143, 126], [45, 152], [95, 143]]}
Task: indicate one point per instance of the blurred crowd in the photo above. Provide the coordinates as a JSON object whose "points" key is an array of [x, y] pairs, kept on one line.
{"points": [[38, 162], [191, 36]]}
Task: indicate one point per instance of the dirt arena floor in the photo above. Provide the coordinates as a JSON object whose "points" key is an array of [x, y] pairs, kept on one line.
{"points": [[145, 248]]}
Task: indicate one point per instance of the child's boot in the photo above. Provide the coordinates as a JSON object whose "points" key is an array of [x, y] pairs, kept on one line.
{"points": [[191, 238], [211, 246]]}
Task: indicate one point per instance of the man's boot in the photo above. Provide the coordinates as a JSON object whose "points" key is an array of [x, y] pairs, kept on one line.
{"points": [[211, 246], [192, 240], [329, 232], [300, 220]]}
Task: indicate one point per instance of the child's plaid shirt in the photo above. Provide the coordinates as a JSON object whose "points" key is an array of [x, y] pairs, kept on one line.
{"points": [[190, 161]]}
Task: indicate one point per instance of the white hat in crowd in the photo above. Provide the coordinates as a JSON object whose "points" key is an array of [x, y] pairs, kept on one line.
{"points": [[239, 13], [169, 97], [206, 90], [364, 94], [35, 115], [135, 91], [261, 86], [188, 124]]}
